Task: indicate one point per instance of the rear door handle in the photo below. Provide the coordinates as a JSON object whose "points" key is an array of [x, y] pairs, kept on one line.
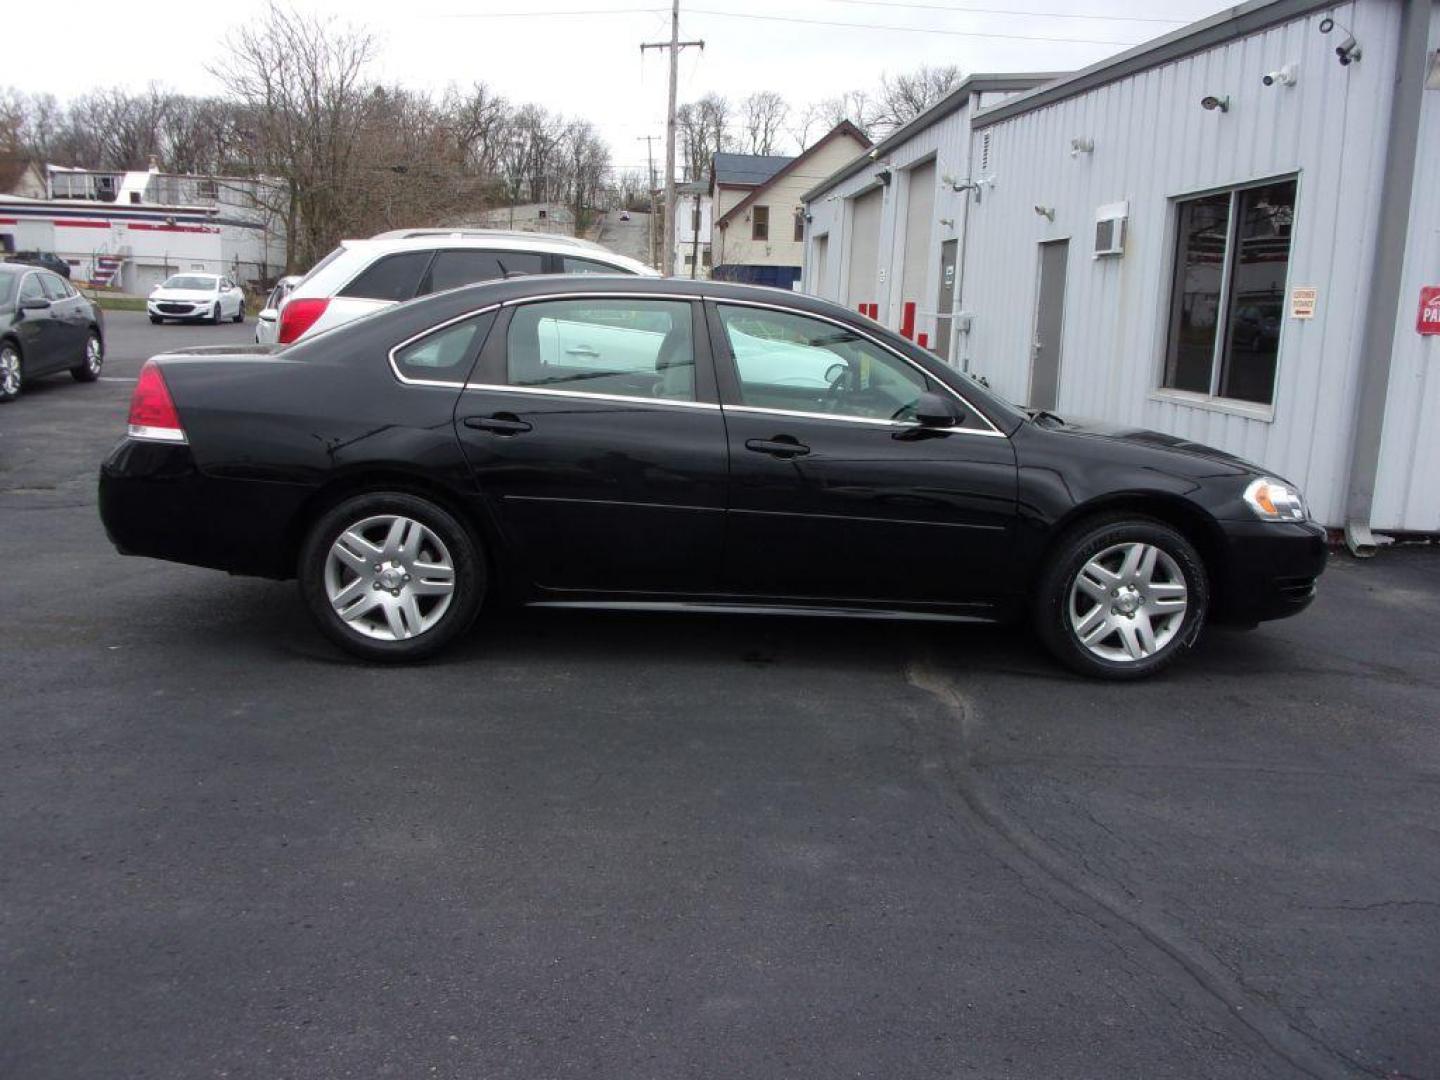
{"points": [[782, 446], [583, 350], [500, 424]]}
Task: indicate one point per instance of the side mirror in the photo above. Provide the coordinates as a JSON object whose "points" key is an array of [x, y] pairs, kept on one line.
{"points": [[933, 410], [34, 303]]}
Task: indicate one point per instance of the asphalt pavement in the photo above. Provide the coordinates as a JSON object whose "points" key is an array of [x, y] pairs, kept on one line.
{"points": [[683, 846]]}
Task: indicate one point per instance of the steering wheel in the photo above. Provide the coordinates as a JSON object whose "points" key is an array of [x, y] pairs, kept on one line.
{"points": [[836, 391]]}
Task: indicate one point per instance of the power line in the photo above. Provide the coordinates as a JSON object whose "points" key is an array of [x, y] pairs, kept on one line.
{"points": [[1005, 11], [546, 14], [912, 29]]}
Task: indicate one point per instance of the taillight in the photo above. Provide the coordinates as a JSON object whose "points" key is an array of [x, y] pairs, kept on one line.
{"points": [[152, 410], [298, 315]]}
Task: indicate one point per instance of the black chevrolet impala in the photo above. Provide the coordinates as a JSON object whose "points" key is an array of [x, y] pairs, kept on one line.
{"points": [[662, 444]]}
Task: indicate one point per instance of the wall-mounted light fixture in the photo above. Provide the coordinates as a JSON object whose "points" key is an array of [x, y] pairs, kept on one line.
{"points": [[1210, 103], [1081, 145], [1348, 51], [948, 222], [1285, 76], [1047, 212], [884, 177], [959, 185]]}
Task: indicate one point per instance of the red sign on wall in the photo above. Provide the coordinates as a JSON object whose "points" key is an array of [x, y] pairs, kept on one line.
{"points": [[1428, 321]]}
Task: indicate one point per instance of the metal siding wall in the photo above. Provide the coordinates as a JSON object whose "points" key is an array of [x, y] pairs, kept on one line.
{"points": [[1153, 142], [948, 141], [1407, 495]]}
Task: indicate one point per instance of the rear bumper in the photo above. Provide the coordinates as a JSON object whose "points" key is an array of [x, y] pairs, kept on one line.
{"points": [[1271, 570], [154, 502]]}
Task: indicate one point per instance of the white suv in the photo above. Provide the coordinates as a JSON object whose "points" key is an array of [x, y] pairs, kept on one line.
{"points": [[361, 276]]}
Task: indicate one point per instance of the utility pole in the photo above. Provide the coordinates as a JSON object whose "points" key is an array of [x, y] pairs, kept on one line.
{"points": [[649, 141], [674, 45]]}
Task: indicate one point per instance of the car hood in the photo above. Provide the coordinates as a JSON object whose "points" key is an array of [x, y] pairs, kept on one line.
{"points": [[183, 295], [1207, 458]]}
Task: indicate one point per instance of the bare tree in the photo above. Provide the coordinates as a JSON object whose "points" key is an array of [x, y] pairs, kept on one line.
{"points": [[903, 97], [704, 131], [762, 116], [303, 82]]}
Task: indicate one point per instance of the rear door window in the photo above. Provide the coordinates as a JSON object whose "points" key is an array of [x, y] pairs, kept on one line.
{"points": [[394, 277], [452, 269], [630, 348], [30, 288]]}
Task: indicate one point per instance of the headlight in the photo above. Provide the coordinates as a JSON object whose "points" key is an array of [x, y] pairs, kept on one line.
{"points": [[1275, 500]]}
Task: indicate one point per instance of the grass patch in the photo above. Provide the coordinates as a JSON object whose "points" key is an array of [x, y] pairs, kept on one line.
{"points": [[118, 303]]}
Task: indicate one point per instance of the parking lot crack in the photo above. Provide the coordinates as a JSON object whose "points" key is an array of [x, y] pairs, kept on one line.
{"points": [[1046, 872]]}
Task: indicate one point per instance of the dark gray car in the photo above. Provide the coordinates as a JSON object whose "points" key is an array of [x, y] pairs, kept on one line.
{"points": [[45, 327]]}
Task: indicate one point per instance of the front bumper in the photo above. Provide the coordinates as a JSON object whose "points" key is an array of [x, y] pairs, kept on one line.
{"points": [[1270, 570], [178, 309]]}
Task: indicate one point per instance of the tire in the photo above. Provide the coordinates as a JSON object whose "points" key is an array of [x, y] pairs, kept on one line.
{"points": [[240, 312], [88, 370], [384, 603], [218, 316], [156, 320], [12, 371], [1135, 587]]}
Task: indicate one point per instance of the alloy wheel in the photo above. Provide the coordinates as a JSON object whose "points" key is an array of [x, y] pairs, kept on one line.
{"points": [[1128, 602], [389, 577], [10, 373], [94, 355]]}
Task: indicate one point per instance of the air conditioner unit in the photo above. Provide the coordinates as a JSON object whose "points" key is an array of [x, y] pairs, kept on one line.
{"points": [[1110, 229]]}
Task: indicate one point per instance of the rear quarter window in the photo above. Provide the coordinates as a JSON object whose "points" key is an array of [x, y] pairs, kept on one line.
{"points": [[445, 355], [391, 277]]}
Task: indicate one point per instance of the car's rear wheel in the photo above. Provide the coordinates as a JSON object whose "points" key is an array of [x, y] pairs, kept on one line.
{"points": [[218, 315], [12, 371], [88, 370], [1122, 598], [240, 312], [391, 576]]}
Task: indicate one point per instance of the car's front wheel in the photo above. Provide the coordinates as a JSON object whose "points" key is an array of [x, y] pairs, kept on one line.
{"points": [[1122, 598], [391, 576], [88, 370]]}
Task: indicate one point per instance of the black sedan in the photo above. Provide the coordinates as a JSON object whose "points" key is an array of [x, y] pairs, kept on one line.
{"points": [[45, 327], [665, 444]]}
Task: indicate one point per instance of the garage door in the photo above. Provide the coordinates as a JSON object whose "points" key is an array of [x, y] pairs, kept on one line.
{"points": [[864, 248], [919, 218]]}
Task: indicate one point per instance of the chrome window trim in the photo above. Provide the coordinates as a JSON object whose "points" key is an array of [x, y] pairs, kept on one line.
{"points": [[545, 391], [991, 433], [451, 384], [956, 430]]}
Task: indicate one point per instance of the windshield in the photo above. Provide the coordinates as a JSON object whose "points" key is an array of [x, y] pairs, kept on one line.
{"points": [[190, 281]]}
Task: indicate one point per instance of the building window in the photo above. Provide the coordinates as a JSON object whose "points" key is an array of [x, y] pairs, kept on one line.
{"points": [[760, 223], [1228, 294], [799, 226]]}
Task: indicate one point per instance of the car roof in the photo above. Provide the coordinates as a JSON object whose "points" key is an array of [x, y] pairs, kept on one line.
{"points": [[487, 234], [520, 242]]}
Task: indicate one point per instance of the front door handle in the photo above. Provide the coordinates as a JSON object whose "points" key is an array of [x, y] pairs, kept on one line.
{"points": [[782, 446], [500, 423]]}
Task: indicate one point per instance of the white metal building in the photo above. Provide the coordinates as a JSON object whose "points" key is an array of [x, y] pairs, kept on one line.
{"points": [[133, 229], [1226, 234]]}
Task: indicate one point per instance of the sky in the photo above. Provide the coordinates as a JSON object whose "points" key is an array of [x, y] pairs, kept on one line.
{"points": [[583, 58]]}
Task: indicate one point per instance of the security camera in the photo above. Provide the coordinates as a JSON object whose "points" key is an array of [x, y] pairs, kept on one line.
{"points": [[1210, 103], [874, 153], [1284, 77], [1348, 51]]}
